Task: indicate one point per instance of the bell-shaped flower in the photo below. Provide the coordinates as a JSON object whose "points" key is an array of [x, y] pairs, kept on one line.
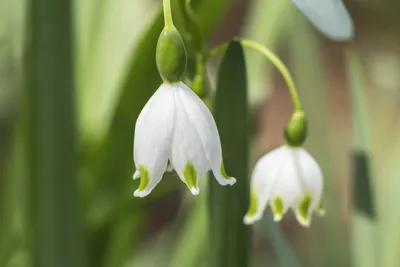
{"points": [[175, 130], [287, 177], [330, 17]]}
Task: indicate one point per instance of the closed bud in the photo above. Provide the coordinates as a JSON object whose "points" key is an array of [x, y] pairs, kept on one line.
{"points": [[200, 85], [171, 55], [296, 129]]}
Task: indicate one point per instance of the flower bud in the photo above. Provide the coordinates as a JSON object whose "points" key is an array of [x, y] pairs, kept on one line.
{"points": [[200, 85], [296, 129], [171, 55]]}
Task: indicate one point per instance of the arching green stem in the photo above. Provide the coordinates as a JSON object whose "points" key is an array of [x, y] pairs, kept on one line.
{"points": [[280, 66], [273, 58]]}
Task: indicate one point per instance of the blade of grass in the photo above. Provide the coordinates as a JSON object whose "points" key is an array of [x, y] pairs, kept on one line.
{"points": [[388, 203], [229, 237], [191, 245], [311, 79], [52, 156], [105, 36], [364, 230], [284, 254], [15, 230], [125, 232]]}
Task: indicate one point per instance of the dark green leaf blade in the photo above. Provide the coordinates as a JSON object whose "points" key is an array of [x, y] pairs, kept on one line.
{"points": [[362, 184], [229, 237], [52, 136]]}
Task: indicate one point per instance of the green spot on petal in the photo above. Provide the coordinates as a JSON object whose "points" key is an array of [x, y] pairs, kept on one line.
{"points": [[320, 209], [253, 205], [223, 172], [278, 208], [303, 207], [144, 177], [190, 174]]}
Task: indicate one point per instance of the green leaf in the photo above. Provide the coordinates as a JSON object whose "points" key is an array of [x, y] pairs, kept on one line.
{"points": [[389, 187], [192, 240], [229, 237], [208, 13], [361, 137], [51, 136], [311, 80], [364, 234], [284, 254], [125, 233], [104, 37], [15, 230], [362, 192]]}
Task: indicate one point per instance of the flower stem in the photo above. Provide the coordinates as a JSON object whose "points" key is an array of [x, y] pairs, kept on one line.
{"points": [[273, 58], [169, 23], [280, 66]]}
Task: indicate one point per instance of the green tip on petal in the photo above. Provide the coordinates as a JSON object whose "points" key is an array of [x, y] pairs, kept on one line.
{"points": [[190, 174], [144, 177], [278, 209], [320, 210], [253, 205], [223, 172], [302, 210]]}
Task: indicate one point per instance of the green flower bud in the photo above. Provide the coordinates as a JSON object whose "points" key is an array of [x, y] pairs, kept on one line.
{"points": [[171, 55], [296, 129], [200, 85]]}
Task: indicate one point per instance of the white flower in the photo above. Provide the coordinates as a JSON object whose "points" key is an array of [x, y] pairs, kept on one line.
{"points": [[175, 127], [287, 177], [328, 16]]}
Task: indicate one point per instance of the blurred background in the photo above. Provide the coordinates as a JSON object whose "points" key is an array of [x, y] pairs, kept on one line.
{"points": [[72, 86]]}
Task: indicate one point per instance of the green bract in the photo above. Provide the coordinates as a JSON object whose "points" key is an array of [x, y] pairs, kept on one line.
{"points": [[171, 55], [296, 129]]}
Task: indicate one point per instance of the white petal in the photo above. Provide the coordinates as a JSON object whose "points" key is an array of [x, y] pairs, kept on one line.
{"points": [[206, 129], [265, 175], [170, 168], [310, 181], [287, 186], [286, 177], [136, 175], [152, 142], [328, 16], [188, 156]]}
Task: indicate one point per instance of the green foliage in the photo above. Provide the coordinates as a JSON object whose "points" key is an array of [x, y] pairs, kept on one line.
{"points": [[284, 254], [364, 214], [229, 237], [66, 162], [51, 140], [311, 79]]}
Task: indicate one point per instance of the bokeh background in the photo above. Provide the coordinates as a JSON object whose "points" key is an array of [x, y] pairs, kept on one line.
{"points": [[350, 91]]}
